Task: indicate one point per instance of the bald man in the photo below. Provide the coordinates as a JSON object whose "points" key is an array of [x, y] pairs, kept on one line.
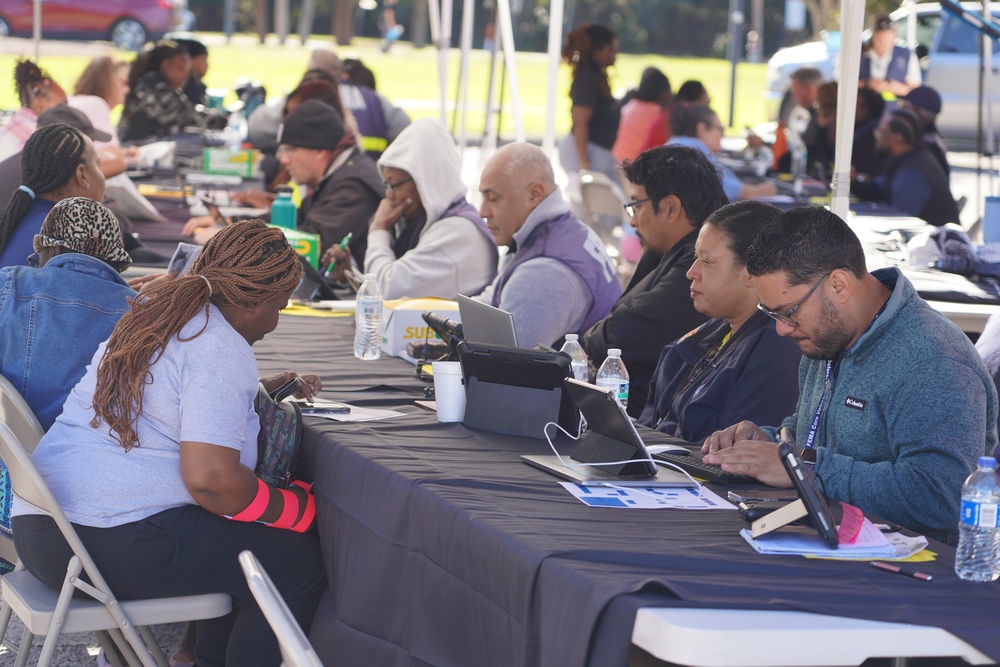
{"points": [[556, 277]]}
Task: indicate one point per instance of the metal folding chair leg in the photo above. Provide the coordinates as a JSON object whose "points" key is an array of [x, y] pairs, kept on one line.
{"points": [[153, 646], [59, 614], [22, 652]]}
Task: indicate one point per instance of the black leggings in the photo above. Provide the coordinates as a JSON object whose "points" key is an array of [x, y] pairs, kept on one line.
{"points": [[189, 551]]}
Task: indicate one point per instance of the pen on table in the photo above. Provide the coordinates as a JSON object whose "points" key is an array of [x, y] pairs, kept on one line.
{"points": [[895, 569], [343, 246]]}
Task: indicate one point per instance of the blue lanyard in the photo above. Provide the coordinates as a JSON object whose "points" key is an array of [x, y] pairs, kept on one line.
{"points": [[814, 427], [827, 386]]}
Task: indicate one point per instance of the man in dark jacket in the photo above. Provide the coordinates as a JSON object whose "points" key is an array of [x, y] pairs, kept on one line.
{"points": [[673, 190], [343, 181], [912, 179]]}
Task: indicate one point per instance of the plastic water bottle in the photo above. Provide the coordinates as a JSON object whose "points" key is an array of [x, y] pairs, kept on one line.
{"points": [[612, 375], [976, 558], [283, 211], [800, 157], [579, 361], [236, 129], [368, 320]]}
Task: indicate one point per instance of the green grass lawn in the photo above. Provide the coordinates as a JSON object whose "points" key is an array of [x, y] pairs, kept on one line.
{"points": [[409, 77]]}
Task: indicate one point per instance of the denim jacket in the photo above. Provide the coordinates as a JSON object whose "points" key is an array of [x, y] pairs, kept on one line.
{"points": [[51, 321]]}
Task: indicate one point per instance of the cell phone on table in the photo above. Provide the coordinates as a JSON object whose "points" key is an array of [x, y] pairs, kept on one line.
{"points": [[338, 409], [285, 390], [763, 496]]}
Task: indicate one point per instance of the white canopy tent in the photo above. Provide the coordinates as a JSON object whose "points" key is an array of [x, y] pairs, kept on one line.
{"points": [[852, 23]]}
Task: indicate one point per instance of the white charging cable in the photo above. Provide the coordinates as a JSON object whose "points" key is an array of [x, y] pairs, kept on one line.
{"points": [[563, 462]]}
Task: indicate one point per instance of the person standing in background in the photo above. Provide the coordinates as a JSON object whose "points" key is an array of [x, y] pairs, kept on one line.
{"points": [[37, 93], [590, 49], [886, 67], [638, 114]]}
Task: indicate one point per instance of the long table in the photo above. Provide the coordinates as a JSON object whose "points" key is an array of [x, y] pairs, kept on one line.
{"points": [[442, 548]]}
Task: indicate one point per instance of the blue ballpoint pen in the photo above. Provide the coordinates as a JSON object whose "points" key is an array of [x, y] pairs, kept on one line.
{"points": [[343, 246]]}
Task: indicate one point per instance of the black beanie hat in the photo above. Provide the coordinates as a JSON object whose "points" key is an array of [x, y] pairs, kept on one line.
{"points": [[313, 124]]}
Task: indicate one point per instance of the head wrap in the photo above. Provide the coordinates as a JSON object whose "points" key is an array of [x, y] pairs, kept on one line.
{"points": [[85, 226]]}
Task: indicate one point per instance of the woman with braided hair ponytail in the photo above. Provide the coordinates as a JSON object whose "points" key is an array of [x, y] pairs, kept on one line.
{"points": [[37, 93], [152, 458], [58, 162]]}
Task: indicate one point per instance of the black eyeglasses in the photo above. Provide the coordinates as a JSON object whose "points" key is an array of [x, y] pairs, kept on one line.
{"points": [[34, 259], [391, 187], [630, 207], [786, 317]]}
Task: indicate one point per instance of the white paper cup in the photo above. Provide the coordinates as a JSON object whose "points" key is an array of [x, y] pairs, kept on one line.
{"points": [[449, 392]]}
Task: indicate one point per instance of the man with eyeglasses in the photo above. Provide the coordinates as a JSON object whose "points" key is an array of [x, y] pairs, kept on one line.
{"points": [[895, 404], [673, 189]]}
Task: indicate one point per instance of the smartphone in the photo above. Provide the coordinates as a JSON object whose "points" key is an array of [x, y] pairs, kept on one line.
{"points": [[753, 511], [285, 390], [763, 496], [339, 409]]}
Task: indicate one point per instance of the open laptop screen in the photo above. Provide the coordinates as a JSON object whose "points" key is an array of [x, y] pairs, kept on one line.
{"points": [[486, 325]]}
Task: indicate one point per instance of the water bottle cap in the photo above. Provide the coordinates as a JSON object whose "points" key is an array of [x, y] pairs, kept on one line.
{"points": [[614, 352], [572, 337], [283, 190], [987, 462]]}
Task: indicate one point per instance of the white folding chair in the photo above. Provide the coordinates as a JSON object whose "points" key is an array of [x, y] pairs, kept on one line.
{"points": [[47, 612], [296, 651], [603, 200], [18, 415]]}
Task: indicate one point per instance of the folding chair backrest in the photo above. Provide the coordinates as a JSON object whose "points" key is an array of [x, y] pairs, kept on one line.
{"points": [[296, 651], [15, 412], [30, 486], [601, 196]]}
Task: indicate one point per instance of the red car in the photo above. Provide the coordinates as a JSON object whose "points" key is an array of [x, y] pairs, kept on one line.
{"points": [[127, 23]]}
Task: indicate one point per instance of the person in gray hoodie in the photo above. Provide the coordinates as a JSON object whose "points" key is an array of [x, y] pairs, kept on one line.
{"points": [[425, 239], [895, 404]]}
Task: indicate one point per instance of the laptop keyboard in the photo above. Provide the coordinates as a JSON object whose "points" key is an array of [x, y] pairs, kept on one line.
{"points": [[694, 466]]}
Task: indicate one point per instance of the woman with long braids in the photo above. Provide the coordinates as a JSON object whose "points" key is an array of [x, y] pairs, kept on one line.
{"points": [[152, 457], [590, 49], [156, 105], [37, 93], [57, 162]]}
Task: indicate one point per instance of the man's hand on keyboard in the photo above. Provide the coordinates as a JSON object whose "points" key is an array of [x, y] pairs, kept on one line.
{"points": [[752, 458], [745, 430]]}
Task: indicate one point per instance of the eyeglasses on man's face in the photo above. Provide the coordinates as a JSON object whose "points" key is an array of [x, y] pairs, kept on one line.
{"points": [[34, 259], [391, 187], [630, 207], [786, 317]]}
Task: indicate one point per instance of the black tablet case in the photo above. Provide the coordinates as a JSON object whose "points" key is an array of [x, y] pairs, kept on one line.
{"points": [[515, 391]]}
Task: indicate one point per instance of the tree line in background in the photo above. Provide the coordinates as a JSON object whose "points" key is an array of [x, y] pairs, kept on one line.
{"points": [[665, 27]]}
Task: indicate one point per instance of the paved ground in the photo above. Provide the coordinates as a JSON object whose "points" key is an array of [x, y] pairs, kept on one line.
{"points": [[81, 649]]}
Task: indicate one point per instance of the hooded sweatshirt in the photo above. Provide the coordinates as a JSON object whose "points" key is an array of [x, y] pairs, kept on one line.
{"points": [[454, 253]]}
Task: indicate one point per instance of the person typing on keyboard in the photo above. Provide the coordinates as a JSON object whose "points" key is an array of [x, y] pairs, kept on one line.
{"points": [[735, 366], [895, 405]]}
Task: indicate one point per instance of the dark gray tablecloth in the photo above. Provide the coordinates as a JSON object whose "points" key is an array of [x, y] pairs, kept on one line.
{"points": [[442, 548]]}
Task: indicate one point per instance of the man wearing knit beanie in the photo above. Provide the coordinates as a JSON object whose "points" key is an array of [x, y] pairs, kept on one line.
{"points": [[343, 183]]}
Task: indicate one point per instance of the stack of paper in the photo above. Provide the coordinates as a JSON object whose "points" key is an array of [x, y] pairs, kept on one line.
{"points": [[871, 544]]}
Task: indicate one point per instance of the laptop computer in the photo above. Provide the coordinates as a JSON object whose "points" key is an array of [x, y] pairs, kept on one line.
{"points": [[612, 452], [485, 324]]}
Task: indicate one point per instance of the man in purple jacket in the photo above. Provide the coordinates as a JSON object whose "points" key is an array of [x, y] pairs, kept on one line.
{"points": [[556, 277]]}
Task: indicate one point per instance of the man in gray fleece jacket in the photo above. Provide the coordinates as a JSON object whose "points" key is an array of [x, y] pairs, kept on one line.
{"points": [[895, 404]]}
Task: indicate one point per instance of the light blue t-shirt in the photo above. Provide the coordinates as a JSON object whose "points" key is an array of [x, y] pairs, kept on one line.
{"points": [[202, 391], [731, 183]]}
